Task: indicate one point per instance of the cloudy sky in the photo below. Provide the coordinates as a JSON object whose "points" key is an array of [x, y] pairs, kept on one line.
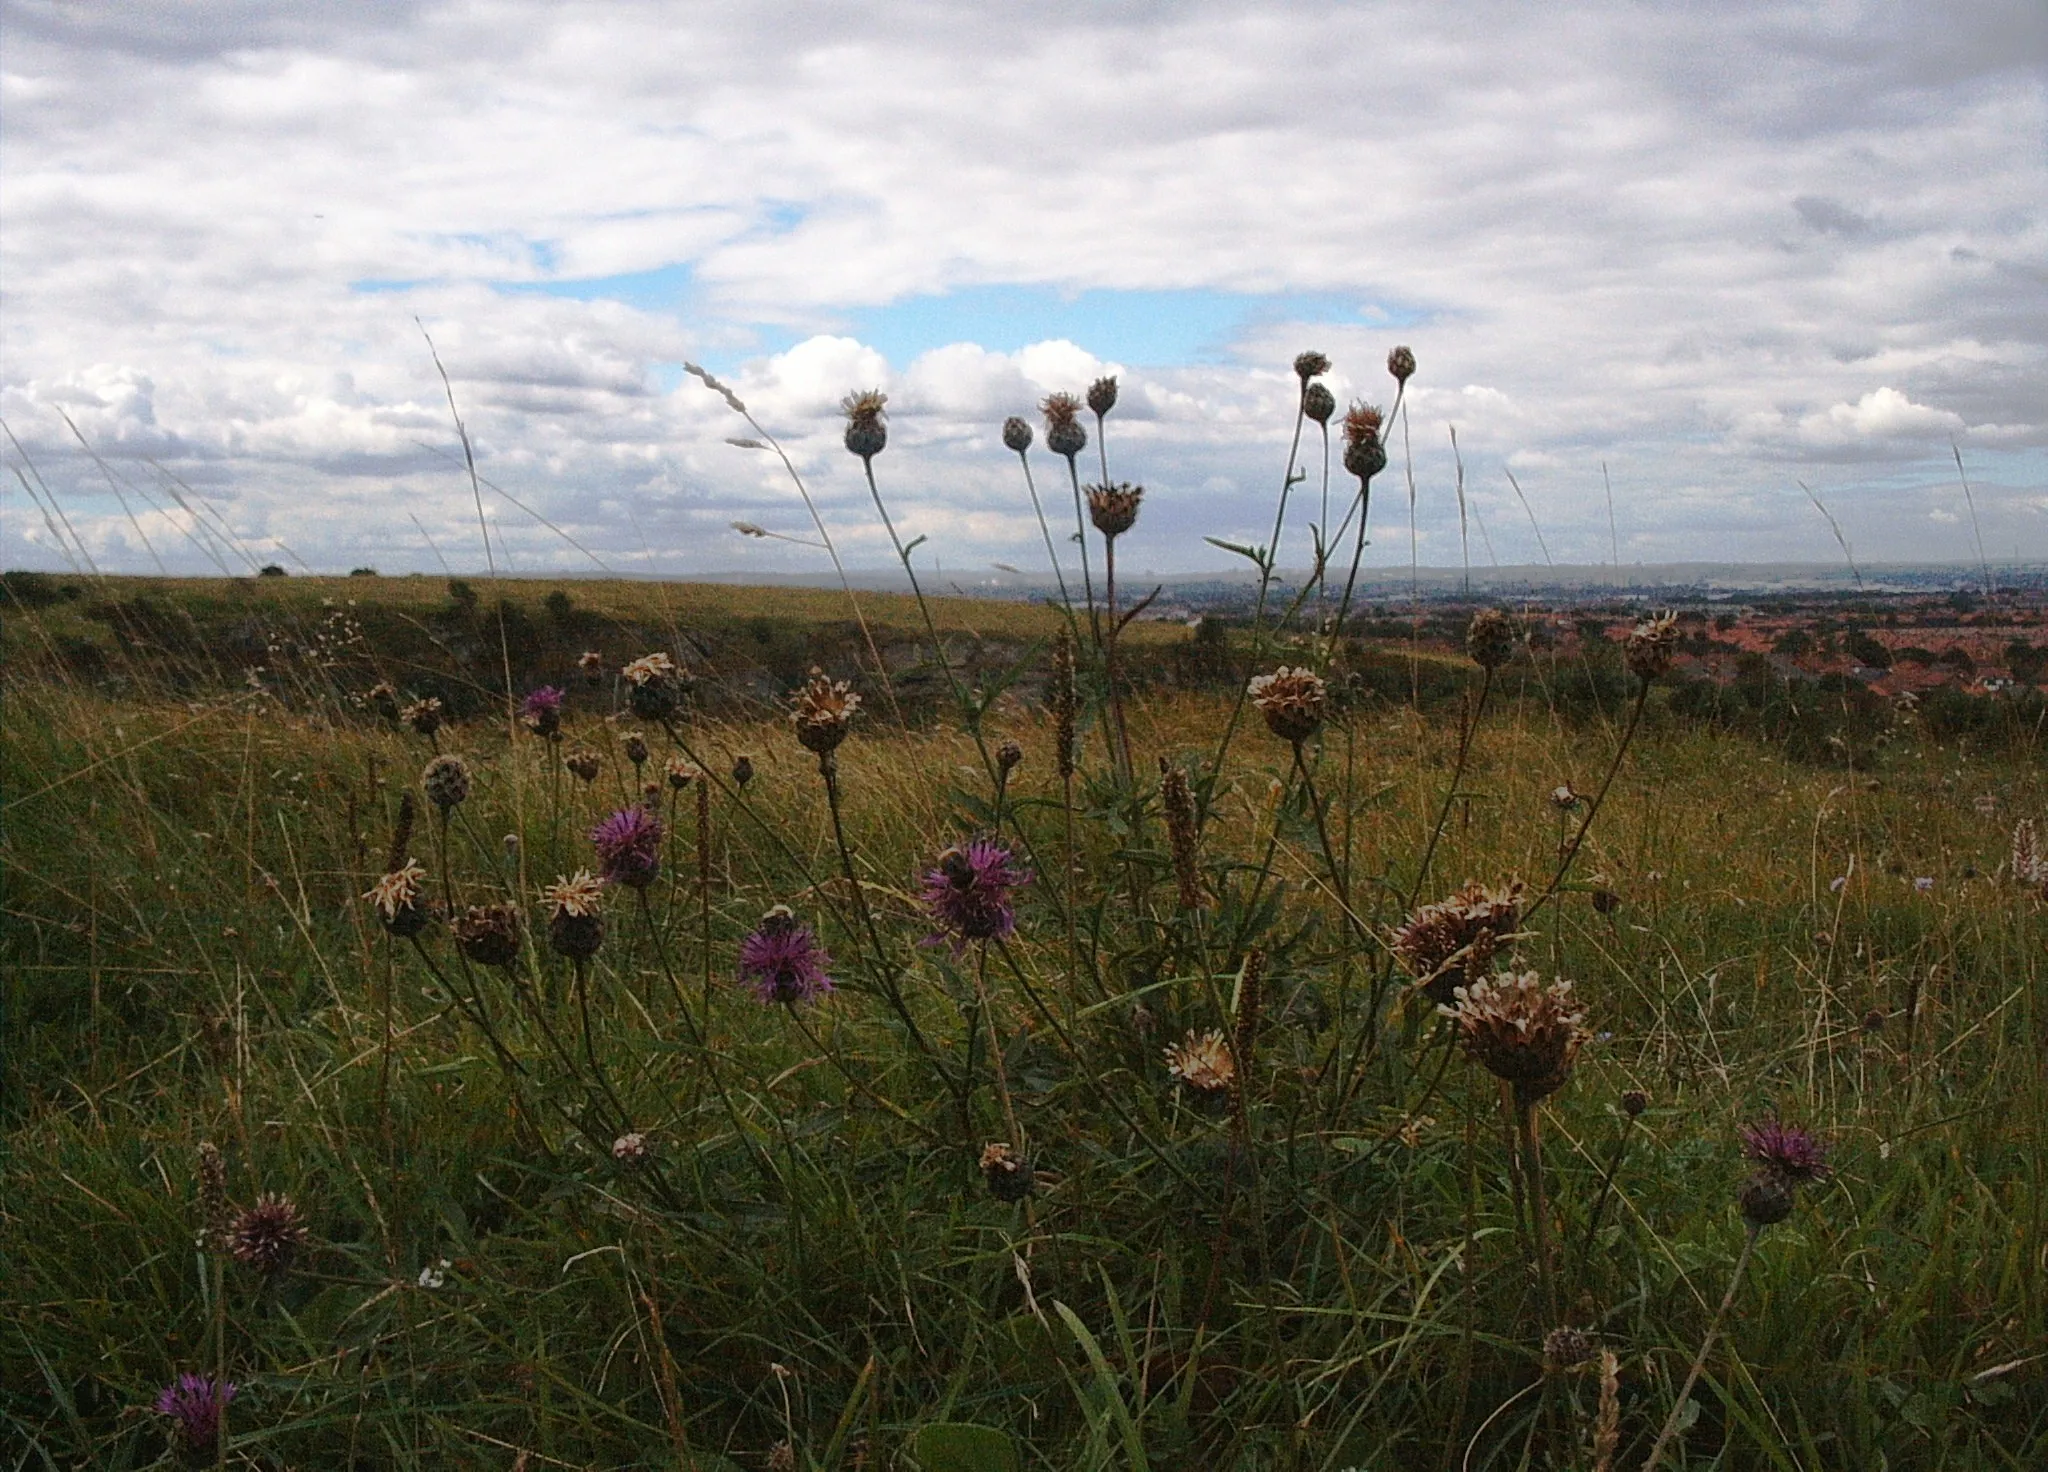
{"points": [[1720, 248]]}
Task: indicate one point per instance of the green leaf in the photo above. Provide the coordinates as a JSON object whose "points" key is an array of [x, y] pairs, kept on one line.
{"points": [[959, 1446]]}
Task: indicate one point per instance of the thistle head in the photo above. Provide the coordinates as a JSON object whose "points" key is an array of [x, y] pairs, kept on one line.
{"points": [[396, 897], [1293, 702], [488, 934], [1318, 403], [1114, 508], [1520, 1031], [655, 686], [1447, 945], [631, 1150], [971, 892], [1009, 756], [1310, 364], [1063, 432], [383, 699], [635, 747], [268, 1235], [575, 915], [1017, 434], [424, 716], [195, 1405], [1364, 456], [680, 774], [1490, 639], [783, 962], [866, 431], [583, 764], [1401, 363], [1650, 647], [742, 771], [1794, 1155], [446, 782], [628, 845], [541, 711], [1102, 395], [1201, 1062], [822, 710]]}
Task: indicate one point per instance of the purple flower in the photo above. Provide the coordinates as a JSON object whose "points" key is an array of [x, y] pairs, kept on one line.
{"points": [[783, 961], [970, 892], [542, 711], [1794, 1155], [195, 1403], [628, 847]]}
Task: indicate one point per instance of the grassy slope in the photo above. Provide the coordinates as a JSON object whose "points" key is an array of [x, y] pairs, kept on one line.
{"points": [[186, 960]]}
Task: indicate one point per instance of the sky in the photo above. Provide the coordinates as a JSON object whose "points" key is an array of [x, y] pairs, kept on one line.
{"points": [[1699, 254]]}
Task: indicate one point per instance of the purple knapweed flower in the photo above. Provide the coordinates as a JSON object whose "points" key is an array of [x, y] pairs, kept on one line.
{"points": [[542, 711], [195, 1403], [628, 847], [783, 961], [970, 893], [1794, 1155]]}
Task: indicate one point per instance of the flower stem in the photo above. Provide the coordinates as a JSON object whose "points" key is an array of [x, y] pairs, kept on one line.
{"points": [[1699, 1361]]}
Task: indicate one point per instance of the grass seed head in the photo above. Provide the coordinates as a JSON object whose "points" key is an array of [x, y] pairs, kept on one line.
{"points": [[1177, 799], [1065, 701], [213, 1195]]}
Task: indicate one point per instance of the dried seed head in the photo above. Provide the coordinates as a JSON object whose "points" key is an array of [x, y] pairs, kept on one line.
{"points": [[1065, 701], [742, 771], [575, 915], [1245, 1024], [1605, 900], [1318, 403], [1009, 756], [822, 711], [2028, 867], [1063, 432], [1490, 639], [1177, 799], [1650, 647], [1565, 1348], [1401, 363], [1102, 395], [631, 1150], [1364, 456], [1309, 365], [1201, 1062], [680, 773], [590, 661], [1634, 1102], [1007, 1174], [213, 1196], [782, 1457], [650, 669], [488, 934], [635, 747], [866, 433], [584, 764], [424, 716], [1114, 509], [1452, 943], [1873, 1021], [446, 781], [268, 1235], [1520, 1030], [396, 896], [382, 699], [1293, 701]]}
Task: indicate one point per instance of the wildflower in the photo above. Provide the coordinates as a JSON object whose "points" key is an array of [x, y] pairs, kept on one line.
{"points": [[195, 1404], [1764, 1198], [1794, 1155], [446, 782], [396, 897], [542, 711], [424, 716], [488, 934], [654, 686], [649, 668], [1007, 1174], [1310, 364], [1016, 434], [1922, 885], [1401, 363], [783, 961], [1565, 798], [1292, 701], [1063, 432], [822, 711], [971, 892], [575, 915], [680, 773], [1521, 1031], [435, 1274], [1102, 396], [1009, 756], [1448, 944], [1490, 639], [1650, 646], [268, 1235], [1318, 403], [1364, 456], [583, 764], [1114, 509], [1201, 1062], [1634, 1102], [628, 847], [1178, 802], [866, 434], [742, 771], [635, 747], [630, 1150]]}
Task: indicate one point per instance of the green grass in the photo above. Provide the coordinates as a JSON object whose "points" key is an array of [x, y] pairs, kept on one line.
{"points": [[1336, 1277]]}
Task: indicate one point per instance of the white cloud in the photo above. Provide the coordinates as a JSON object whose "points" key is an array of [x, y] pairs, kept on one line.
{"points": [[1883, 413]]}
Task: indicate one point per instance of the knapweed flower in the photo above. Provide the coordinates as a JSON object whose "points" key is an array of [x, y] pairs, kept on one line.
{"points": [[542, 711], [1202, 1062], [1292, 701], [1364, 456], [783, 961], [822, 710], [1063, 432], [1650, 646], [1401, 363], [1765, 1198], [1451, 943], [1318, 403], [680, 773], [1490, 639], [628, 847], [268, 1235], [583, 764], [424, 716], [649, 668], [971, 892], [1794, 1155], [575, 915], [446, 782], [396, 898], [655, 685], [866, 432], [1114, 508], [1017, 434], [195, 1404], [1006, 1173], [383, 699], [488, 934], [1520, 1030], [1102, 396], [1310, 364], [590, 662]]}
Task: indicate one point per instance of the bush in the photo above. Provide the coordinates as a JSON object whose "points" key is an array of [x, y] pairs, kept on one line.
{"points": [[272, 570], [34, 589]]}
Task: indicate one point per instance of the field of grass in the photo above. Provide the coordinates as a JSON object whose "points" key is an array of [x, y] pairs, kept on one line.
{"points": [[1351, 1255]]}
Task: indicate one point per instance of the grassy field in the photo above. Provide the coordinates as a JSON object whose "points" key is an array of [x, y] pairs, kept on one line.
{"points": [[625, 1213]]}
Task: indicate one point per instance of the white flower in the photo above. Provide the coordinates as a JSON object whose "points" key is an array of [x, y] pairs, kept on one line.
{"points": [[435, 1274]]}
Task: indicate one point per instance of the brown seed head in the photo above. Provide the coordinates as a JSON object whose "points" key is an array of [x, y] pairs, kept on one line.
{"points": [[1318, 403], [396, 898], [1765, 1198], [1565, 1348], [1634, 1102], [1401, 363], [1244, 1038], [1451, 943], [488, 934], [1007, 1174], [424, 716], [680, 773], [1114, 509], [1009, 756], [1490, 639], [1293, 701], [1520, 1030], [583, 764], [1201, 1062], [1063, 432], [822, 710], [742, 770], [866, 432], [636, 749], [1364, 456], [1650, 647], [1310, 364], [1177, 799], [446, 781], [1102, 396]]}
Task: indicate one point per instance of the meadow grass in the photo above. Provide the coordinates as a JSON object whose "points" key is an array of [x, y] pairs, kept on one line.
{"points": [[1332, 1263]]}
